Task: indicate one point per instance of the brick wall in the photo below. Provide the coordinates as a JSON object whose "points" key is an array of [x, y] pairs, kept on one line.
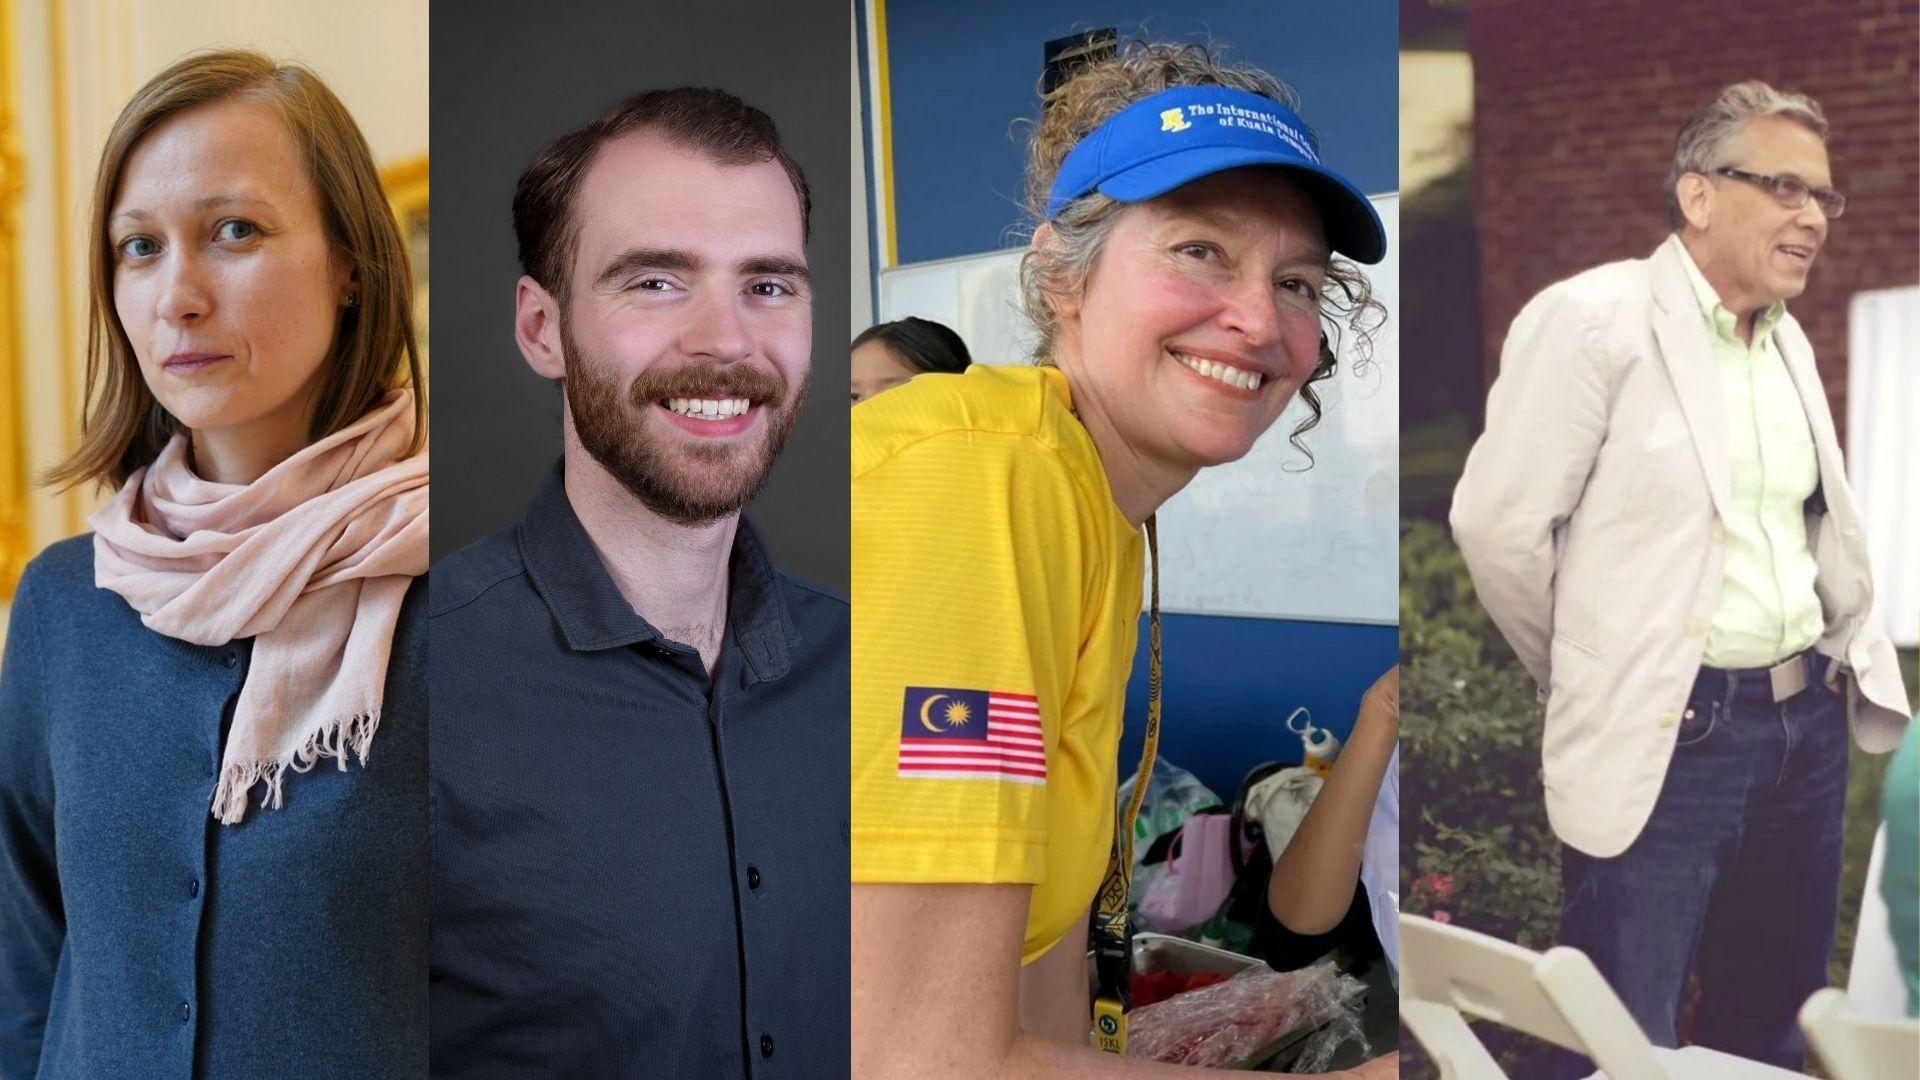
{"points": [[1576, 106]]}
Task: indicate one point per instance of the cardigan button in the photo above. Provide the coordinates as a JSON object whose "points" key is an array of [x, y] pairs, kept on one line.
{"points": [[753, 877], [186, 1012], [193, 887], [766, 1045], [232, 658]]}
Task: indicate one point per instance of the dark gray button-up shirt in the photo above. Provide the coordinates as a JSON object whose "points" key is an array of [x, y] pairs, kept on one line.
{"points": [[636, 871]]}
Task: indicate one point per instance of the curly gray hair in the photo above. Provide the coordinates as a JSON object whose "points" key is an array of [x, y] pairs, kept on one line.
{"points": [[1060, 259]]}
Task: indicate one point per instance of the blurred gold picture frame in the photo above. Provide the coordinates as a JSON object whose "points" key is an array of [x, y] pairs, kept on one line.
{"points": [[406, 186], [13, 461]]}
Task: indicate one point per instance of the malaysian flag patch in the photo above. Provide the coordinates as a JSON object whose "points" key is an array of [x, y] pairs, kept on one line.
{"points": [[971, 735]]}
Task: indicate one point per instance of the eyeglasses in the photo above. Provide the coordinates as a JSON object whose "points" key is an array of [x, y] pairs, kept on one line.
{"points": [[1792, 192]]}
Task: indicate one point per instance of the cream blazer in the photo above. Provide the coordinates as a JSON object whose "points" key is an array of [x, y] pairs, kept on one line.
{"points": [[1590, 515]]}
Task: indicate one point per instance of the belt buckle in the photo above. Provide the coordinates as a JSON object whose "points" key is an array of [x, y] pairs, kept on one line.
{"points": [[1788, 677]]}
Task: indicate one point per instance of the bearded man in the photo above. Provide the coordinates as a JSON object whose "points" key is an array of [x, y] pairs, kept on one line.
{"points": [[638, 751]]}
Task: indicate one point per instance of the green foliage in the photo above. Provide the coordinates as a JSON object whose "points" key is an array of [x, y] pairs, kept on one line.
{"points": [[1475, 847], [1475, 844]]}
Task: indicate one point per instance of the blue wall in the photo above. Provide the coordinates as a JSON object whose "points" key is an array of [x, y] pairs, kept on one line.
{"points": [[1230, 683], [961, 73]]}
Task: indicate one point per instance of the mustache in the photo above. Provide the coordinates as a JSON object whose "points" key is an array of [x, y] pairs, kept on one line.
{"points": [[757, 385]]}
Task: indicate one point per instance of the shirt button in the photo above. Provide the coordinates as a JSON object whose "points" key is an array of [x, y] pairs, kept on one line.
{"points": [[1666, 719], [753, 877], [186, 1012], [766, 1045], [1695, 628], [193, 887], [1719, 532]]}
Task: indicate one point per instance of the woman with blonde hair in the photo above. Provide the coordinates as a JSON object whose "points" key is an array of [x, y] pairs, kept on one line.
{"points": [[1183, 279], [172, 901]]}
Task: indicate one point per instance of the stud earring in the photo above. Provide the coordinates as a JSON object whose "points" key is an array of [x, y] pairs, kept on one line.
{"points": [[353, 299]]}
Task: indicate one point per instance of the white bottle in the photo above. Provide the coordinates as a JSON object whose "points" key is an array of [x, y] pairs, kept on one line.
{"points": [[1320, 746]]}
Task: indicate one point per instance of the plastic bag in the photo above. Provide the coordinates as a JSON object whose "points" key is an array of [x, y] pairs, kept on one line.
{"points": [[1173, 796], [1233, 1024]]}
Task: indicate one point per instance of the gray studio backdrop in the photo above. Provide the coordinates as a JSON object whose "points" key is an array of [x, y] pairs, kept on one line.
{"points": [[507, 78]]}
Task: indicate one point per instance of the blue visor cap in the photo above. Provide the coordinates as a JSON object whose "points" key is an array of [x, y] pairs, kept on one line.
{"points": [[1178, 136]]}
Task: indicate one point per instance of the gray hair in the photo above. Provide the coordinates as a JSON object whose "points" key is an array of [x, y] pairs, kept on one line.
{"points": [[1705, 140], [1062, 260]]}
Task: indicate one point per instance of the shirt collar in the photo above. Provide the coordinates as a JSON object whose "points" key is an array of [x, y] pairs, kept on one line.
{"points": [[1720, 321], [591, 613]]}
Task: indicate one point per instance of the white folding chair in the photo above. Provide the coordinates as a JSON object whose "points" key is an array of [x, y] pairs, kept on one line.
{"points": [[1448, 974], [1875, 988], [1856, 1047]]}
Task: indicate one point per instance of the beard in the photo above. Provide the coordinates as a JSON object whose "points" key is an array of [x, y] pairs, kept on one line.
{"points": [[685, 480]]}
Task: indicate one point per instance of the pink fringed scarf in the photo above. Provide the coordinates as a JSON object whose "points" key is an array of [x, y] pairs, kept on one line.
{"points": [[312, 561]]}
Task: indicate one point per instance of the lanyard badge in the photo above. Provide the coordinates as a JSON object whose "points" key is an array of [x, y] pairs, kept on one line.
{"points": [[1112, 938]]}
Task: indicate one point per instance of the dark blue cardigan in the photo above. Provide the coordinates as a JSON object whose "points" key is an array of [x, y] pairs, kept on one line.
{"points": [[141, 938]]}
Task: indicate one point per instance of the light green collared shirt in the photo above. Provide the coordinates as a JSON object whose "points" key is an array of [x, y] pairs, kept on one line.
{"points": [[1768, 609]]}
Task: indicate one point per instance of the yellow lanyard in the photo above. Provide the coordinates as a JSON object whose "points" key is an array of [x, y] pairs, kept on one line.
{"points": [[1112, 941]]}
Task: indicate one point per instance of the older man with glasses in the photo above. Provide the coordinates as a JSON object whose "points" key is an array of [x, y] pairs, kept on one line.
{"points": [[1658, 519]]}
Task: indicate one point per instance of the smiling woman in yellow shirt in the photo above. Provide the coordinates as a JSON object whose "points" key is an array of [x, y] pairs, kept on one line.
{"points": [[1183, 281]]}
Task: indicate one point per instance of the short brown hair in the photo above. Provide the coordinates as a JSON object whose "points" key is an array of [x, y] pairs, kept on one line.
{"points": [[124, 427], [713, 122]]}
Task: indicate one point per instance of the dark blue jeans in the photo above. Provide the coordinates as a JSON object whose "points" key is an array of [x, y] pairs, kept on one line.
{"points": [[1735, 877]]}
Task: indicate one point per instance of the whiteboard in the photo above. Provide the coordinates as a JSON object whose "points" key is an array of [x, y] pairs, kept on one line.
{"points": [[1883, 395], [1263, 536]]}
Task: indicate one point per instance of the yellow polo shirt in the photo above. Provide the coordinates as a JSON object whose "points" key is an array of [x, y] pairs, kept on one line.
{"points": [[996, 599], [1768, 609]]}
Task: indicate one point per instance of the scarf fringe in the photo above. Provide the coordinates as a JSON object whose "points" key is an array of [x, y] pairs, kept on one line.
{"points": [[334, 740]]}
